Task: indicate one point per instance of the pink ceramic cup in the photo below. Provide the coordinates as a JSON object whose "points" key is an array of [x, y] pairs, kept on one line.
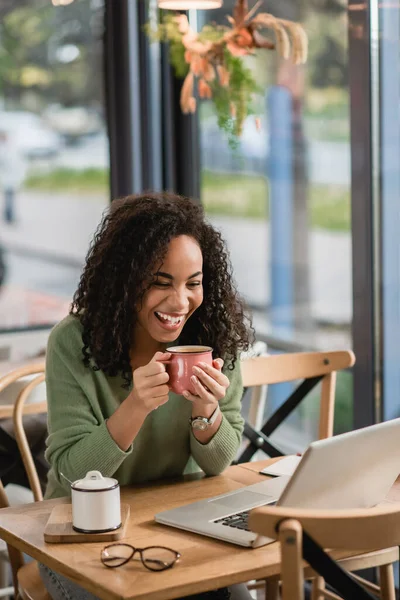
{"points": [[180, 365]]}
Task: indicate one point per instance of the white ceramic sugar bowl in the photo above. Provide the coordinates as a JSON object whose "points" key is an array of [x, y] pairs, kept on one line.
{"points": [[96, 506]]}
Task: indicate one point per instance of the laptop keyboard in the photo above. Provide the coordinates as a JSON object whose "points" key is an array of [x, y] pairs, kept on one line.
{"points": [[240, 520]]}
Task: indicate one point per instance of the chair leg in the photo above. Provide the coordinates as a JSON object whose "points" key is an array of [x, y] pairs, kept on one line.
{"points": [[386, 579], [5, 578], [318, 587], [290, 537], [272, 589]]}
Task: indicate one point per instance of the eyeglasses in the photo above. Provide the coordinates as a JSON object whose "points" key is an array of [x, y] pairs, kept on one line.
{"points": [[154, 558]]}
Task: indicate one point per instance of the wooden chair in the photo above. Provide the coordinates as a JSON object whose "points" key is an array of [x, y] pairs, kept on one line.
{"points": [[305, 533], [28, 584], [312, 368], [258, 392], [21, 408]]}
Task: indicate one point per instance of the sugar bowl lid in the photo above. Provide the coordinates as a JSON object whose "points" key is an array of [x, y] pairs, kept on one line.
{"points": [[94, 482]]}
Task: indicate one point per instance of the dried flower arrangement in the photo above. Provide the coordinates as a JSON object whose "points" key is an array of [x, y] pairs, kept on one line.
{"points": [[212, 59]]}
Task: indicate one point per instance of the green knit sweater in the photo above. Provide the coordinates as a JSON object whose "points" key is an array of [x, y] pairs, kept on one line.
{"points": [[79, 402]]}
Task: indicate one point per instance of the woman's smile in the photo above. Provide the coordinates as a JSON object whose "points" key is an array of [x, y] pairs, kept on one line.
{"points": [[170, 321]]}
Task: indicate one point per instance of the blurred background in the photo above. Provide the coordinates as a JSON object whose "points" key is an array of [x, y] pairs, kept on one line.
{"points": [[289, 230]]}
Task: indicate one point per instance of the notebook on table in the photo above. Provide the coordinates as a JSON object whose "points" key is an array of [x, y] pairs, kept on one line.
{"points": [[284, 466]]}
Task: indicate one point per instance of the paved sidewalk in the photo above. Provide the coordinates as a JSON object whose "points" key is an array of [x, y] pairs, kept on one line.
{"points": [[60, 226]]}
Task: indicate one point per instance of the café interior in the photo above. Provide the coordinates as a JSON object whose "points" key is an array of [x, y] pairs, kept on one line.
{"points": [[281, 119]]}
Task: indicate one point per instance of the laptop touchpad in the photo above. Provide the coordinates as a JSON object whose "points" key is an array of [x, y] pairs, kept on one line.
{"points": [[242, 499]]}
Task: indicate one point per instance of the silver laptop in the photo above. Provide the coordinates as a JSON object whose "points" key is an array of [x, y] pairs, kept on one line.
{"points": [[352, 470]]}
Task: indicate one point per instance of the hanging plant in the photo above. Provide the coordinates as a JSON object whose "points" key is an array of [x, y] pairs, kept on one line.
{"points": [[211, 61]]}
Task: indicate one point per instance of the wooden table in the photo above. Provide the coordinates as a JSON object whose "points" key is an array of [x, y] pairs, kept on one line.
{"points": [[205, 563]]}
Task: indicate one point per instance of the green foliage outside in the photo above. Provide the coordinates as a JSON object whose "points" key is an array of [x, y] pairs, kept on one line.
{"points": [[242, 196], [24, 33], [247, 196], [70, 180], [343, 403], [31, 74]]}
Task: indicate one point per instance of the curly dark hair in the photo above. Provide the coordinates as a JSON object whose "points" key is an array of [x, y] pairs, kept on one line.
{"points": [[131, 240]]}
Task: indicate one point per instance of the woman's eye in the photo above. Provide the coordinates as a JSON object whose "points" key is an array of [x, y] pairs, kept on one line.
{"points": [[159, 284], [194, 284]]}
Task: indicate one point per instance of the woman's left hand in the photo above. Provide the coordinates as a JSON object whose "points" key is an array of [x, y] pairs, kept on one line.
{"points": [[209, 382]]}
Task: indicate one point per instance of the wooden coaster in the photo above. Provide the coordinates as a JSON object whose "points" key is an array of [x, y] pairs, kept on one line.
{"points": [[59, 527]]}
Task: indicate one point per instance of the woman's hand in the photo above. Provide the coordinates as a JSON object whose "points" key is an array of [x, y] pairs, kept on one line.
{"points": [[210, 384], [150, 383], [149, 392]]}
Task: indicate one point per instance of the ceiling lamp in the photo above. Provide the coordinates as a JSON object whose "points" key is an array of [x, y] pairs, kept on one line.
{"points": [[189, 4]]}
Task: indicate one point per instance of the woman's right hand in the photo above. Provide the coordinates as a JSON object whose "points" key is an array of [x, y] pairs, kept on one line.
{"points": [[150, 390], [150, 383]]}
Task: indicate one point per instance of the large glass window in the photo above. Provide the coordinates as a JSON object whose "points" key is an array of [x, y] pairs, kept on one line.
{"points": [[282, 199], [54, 165], [389, 18]]}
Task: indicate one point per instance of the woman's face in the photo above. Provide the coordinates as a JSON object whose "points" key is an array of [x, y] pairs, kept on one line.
{"points": [[176, 292]]}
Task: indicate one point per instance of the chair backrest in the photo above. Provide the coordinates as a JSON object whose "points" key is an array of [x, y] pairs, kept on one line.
{"points": [[355, 530], [28, 377], [279, 368], [258, 395], [34, 376]]}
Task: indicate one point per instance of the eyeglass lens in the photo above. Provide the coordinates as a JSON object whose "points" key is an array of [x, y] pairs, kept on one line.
{"points": [[116, 555], [158, 558]]}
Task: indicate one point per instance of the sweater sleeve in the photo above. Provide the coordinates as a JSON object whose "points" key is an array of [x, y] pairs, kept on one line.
{"points": [[78, 439], [218, 453]]}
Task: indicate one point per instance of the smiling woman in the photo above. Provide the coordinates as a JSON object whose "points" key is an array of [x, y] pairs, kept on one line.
{"points": [[156, 273]]}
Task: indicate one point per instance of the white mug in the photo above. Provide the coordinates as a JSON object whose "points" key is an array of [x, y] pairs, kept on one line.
{"points": [[96, 506]]}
